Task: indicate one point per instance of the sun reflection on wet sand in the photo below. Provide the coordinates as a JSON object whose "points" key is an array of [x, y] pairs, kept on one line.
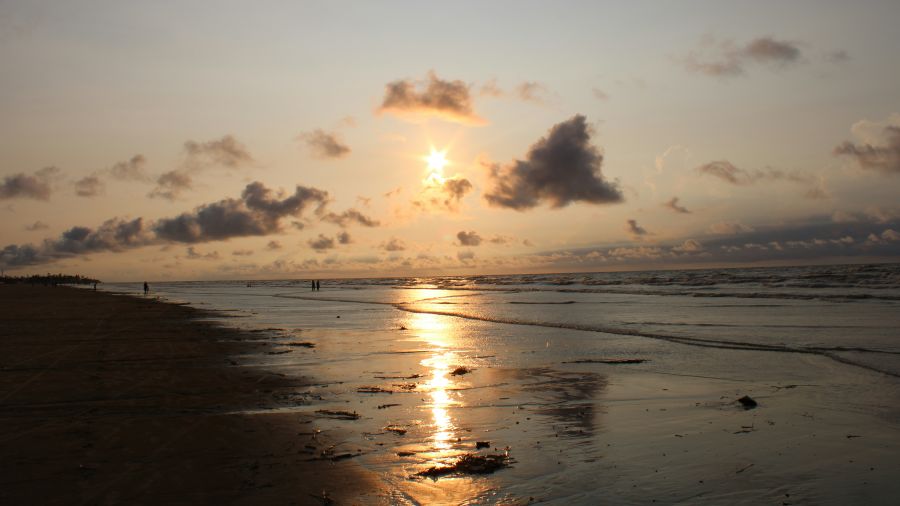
{"points": [[436, 331]]}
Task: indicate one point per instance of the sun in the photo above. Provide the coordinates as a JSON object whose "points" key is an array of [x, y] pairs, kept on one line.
{"points": [[437, 160]]}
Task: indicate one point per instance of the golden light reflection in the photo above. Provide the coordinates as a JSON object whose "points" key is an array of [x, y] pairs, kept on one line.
{"points": [[436, 331]]}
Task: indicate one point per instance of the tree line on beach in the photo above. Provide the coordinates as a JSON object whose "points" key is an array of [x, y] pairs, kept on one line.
{"points": [[48, 279]]}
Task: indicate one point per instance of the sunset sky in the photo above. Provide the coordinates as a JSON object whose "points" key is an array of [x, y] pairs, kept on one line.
{"points": [[221, 140]]}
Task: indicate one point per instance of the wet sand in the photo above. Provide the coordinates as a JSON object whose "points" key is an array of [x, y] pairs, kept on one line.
{"points": [[108, 399]]}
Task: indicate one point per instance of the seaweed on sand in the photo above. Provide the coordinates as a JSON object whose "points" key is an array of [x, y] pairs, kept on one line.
{"points": [[459, 371], [338, 414], [468, 464]]}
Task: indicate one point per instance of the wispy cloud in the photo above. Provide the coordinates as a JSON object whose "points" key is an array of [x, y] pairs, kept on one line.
{"points": [[325, 145], [89, 186], [675, 207], [726, 59], [433, 97], [878, 151], [726, 171]]}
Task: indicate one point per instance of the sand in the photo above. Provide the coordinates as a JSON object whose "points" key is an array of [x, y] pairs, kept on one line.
{"points": [[109, 399]]}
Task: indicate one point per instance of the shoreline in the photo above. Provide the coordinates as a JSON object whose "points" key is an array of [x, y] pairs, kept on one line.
{"points": [[110, 398]]}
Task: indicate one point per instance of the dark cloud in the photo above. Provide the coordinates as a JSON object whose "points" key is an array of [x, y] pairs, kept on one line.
{"points": [[171, 185], [444, 196], [726, 171], [325, 145], [559, 169], [38, 225], [225, 152], [89, 186], [729, 60], [883, 157], [393, 244], [449, 100], [502, 239], [36, 186], [769, 50], [344, 238], [273, 246], [192, 254], [636, 231], [348, 217], [470, 238], [130, 170], [674, 206], [257, 212], [321, 243]]}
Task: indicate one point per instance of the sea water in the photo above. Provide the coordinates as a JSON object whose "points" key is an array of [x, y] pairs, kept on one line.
{"points": [[580, 376]]}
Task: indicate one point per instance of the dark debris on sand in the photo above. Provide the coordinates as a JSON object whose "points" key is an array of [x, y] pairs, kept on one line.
{"points": [[338, 414], [608, 361], [747, 402], [468, 464], [459, 371], [373, 390]]}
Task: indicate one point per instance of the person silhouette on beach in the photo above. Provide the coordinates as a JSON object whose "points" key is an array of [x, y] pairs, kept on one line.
{"points": [[317, 285], [312, 285], [146, 288]]}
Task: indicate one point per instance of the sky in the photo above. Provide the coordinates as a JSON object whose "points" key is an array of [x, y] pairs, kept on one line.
{"points": [[282, 139]]}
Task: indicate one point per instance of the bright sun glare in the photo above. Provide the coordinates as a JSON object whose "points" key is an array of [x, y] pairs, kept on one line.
{"points": [[437, 160]]}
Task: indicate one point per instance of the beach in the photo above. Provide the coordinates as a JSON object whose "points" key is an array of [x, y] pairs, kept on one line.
{"points": [[568, 389], [121, 400]]}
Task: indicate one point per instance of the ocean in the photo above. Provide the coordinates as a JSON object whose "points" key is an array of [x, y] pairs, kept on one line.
{"points": [[595, 387]]}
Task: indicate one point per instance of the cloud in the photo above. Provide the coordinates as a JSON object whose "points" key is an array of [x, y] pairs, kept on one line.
{"points": [[38, 225], [170, 185], [819, 191], [130, 170], [35, 186], [447, 100], [225, 152], [880, 155], [274, 245], [321, 243], [636, 231], [677, 149], [348, 217], [726, 171], [729, 60], [445, 195], [325, 145], [600, 94], [258, 212], [470, 238], [344, 238], [393, 244], [465, 255], [242, 252], [673, 206], [89, 186], [531, 91], [689, 246], [729, 228], [491, 89], [838, 56], [559, 169], [192, 254]]}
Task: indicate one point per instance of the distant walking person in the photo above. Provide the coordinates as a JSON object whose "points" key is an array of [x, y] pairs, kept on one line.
{"points": [[317, 285], [313, 285], [146, 288]]}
